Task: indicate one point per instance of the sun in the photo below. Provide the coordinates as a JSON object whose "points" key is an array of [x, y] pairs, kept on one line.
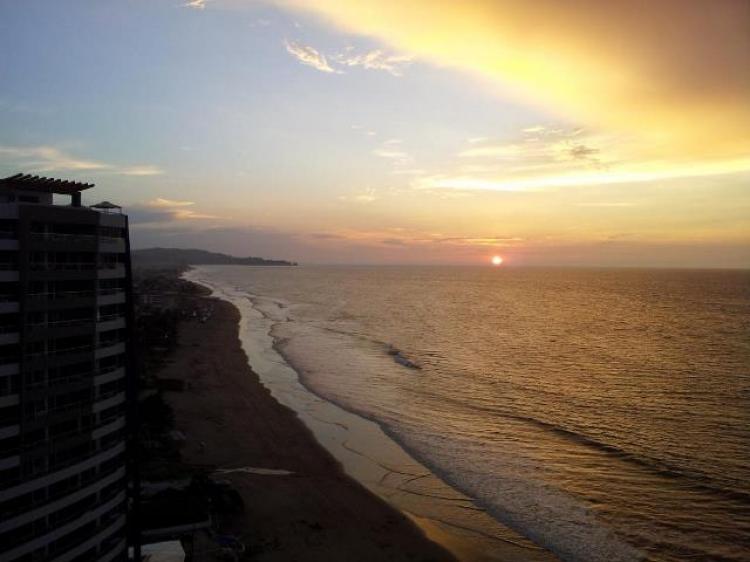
{"points": [[497, 260]]}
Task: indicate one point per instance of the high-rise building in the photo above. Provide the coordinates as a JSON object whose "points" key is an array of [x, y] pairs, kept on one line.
{"points": [[65, 316]]}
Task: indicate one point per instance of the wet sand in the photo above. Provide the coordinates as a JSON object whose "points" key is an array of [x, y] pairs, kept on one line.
{"points": [[300, 506]]}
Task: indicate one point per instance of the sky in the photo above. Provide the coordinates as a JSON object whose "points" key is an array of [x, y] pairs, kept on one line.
{"points": [[395, 132]]}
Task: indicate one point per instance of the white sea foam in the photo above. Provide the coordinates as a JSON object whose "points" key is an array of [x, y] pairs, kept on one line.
{"points": [[357, 374]]}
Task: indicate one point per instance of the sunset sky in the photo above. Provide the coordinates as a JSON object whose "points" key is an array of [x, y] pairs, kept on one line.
{"points": [[393, 131]]}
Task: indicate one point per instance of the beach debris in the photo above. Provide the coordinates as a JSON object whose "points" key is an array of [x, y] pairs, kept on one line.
{"points": [[401, 359]]}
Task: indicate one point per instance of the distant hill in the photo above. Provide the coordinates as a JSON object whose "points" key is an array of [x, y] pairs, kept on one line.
{"points": [[178, 257]]}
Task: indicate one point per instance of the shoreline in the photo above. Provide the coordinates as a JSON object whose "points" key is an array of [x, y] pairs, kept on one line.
{"points": [[300, 505], [378, 462]]}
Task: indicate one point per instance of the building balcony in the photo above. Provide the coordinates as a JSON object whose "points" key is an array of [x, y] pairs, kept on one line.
{"points": [[108, 427], [99, 538], [60, 295], [78, 349], [9, 365], [109, 349], [10, 461], [9, 335], [9, 429], [9, 400], [114, 400], [100, 377], [111, 272], [111, 245], [61, 531], [10, 489], [110, 296], [110, 323], [45, 417], [46, 507], [64, 237], [9, 305], [62, 299], [62, 266], [53, 242], [70, 323], [103, 376]]}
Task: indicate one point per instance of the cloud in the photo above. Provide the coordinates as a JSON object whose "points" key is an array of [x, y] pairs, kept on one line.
{"points": [[161, 210], [160, 202], [645, 173], [540, 147], [392, 151], [195, 4], [187, 214], [375, 60], [41, 159], [391, 154], [371, 60], [548, 158], [140, 171], [675, 75], [582, 152], [46, 159], [367, 196], [309, 56]]}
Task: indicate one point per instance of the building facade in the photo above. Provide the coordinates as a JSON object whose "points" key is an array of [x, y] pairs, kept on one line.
{"points": [[65, 319]]}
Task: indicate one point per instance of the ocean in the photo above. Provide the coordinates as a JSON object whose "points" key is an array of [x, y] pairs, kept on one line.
{"points": [[604, 414]]}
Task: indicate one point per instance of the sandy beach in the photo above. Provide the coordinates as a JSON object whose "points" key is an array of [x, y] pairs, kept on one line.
{"points": [[309, 509]]}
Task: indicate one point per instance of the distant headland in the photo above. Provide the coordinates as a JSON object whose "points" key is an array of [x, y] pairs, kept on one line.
{"points": [[180, 257]]}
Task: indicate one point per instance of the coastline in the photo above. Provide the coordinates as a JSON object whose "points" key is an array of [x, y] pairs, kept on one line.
{"points": [[369, 455], [300, 505]]}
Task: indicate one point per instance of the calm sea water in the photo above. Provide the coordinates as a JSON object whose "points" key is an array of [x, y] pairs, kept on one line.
{"points": [[603, 413]]}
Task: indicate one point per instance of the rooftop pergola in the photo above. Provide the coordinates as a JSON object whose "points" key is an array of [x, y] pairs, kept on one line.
{"points": [[27, 182]]}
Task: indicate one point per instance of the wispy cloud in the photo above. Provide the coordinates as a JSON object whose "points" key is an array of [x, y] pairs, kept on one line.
{"points": [[161, 202], [374, 60], [391, 154], [47, 158], [53, 159], [370, 60], [161, 210], [393, 151], [547, 157], [368, 195], [309, 56], [195, 4], [184, 214], [407, 237], [140, 171]]}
